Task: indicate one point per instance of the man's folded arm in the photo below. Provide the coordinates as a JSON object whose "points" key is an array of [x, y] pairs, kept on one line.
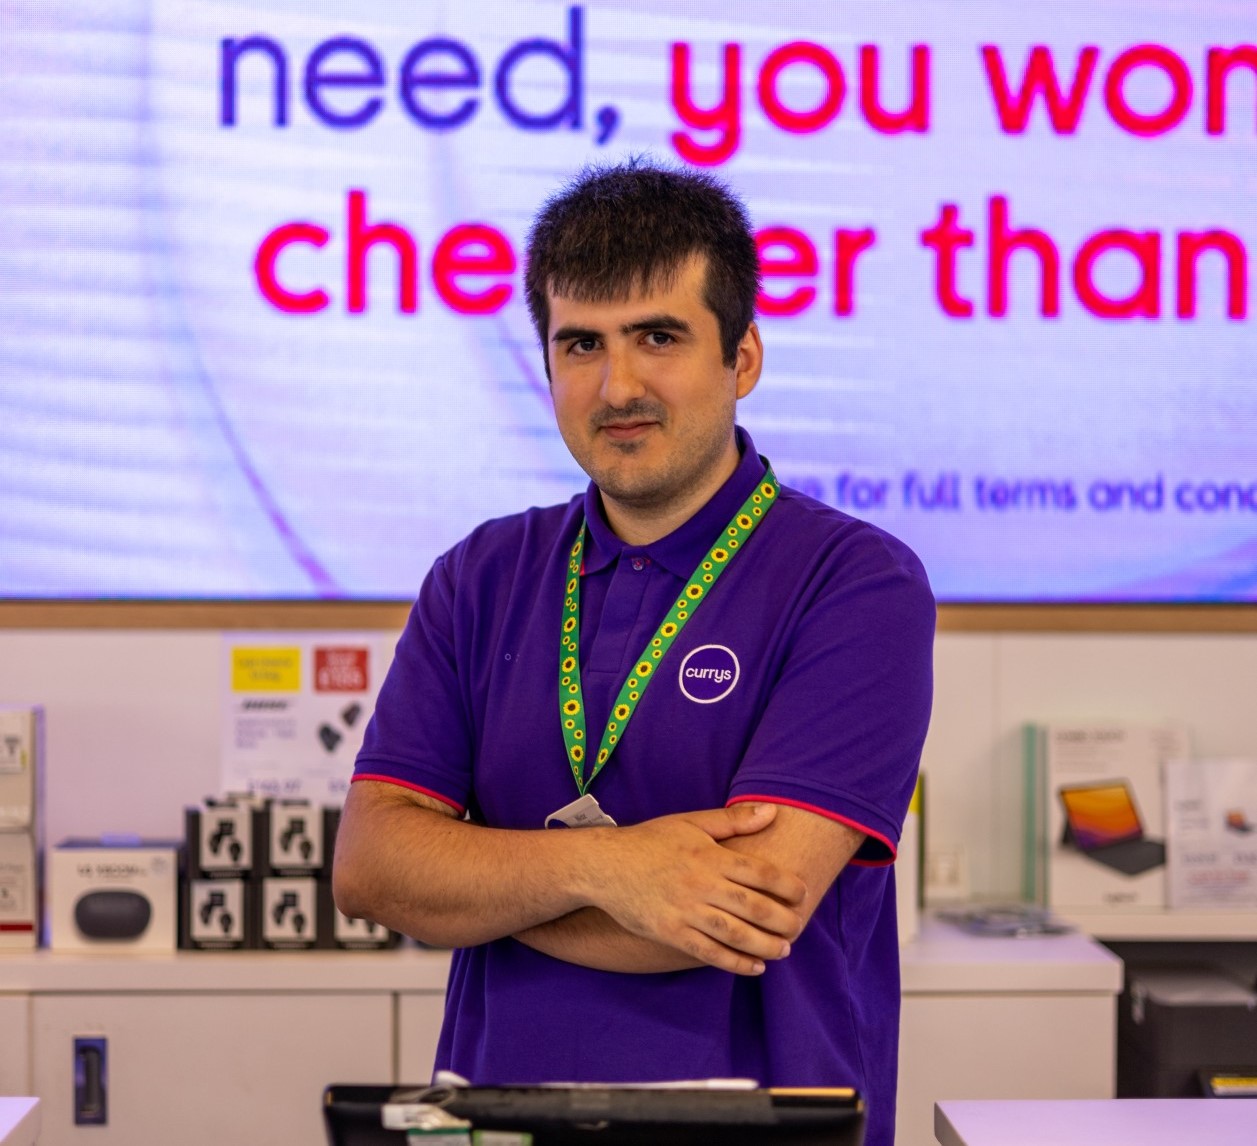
{"points": [[809, 845], [405, 860]]}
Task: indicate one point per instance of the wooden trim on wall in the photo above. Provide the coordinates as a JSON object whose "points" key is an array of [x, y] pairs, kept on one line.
{"points": [[1097, 618], [391, 616], [312, 615]]}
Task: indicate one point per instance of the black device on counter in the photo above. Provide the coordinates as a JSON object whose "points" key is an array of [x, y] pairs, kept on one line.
{"points": [[609, 1115]]}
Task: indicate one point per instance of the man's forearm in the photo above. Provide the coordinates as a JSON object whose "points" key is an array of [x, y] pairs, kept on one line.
{"points": [[591, 938], [447, 882]]}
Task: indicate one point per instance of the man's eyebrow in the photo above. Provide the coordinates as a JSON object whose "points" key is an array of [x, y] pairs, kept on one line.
{"points": [[657, 322], [564, 333]]}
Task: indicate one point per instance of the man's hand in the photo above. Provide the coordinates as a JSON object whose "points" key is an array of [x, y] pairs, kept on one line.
{"points": [[671, 881]]}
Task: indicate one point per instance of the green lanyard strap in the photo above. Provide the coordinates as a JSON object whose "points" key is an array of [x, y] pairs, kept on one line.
{"points": [[571, 699]]}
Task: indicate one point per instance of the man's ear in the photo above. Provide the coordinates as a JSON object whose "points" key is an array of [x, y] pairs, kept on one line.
{"points": [[749, 360]]}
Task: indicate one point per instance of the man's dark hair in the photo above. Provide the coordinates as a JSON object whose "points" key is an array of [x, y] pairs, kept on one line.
{"points": [[616, 230]]}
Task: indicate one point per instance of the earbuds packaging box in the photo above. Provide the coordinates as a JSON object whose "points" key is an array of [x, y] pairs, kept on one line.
{"points": [[225, 840], [298, 836], [218, 915], [19, 902], [21, 766], [345, 934], [113, 896], [289, 913]]}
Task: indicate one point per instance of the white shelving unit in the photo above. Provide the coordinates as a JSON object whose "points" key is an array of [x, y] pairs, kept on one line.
{"points": [[237, 1046], [1180, 926]]}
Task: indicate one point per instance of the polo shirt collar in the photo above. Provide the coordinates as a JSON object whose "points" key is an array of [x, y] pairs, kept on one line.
{"points": [[682, 549]]}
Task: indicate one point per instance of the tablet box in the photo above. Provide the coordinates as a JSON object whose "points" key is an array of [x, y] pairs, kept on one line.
{"points": [[218, 915], [224, 840], [21, 766], [19, 902], [1103, 810], [113, 896], [298, 836], [288, 913], [347, 934]]}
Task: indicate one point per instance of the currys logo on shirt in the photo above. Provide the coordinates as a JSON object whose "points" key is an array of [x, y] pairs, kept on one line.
{"points": [[709, 673]]}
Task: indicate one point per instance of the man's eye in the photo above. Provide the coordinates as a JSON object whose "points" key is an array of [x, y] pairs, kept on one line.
{"points": [[584, 346], [659, 338]]}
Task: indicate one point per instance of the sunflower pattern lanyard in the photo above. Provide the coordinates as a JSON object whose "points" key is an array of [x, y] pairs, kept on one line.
{"points": [[571, 699]]}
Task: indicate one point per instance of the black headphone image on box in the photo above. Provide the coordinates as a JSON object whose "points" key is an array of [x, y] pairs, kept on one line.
{"points": [[112, 915], [329, 736]]}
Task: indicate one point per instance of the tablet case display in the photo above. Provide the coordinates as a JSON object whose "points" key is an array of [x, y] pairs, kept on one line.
{"points": [[1104, 831]]}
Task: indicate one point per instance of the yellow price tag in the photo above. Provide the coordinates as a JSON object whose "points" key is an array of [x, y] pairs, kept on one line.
{"points": [[266, 669]]}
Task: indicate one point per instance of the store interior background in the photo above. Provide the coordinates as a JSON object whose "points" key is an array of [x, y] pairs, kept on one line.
{"points": [[134, 714]]}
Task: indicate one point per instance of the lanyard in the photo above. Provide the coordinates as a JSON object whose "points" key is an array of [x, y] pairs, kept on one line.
{"points": [[571, 699]]}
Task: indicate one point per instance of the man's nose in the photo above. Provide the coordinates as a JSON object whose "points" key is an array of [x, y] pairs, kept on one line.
{"points": [[621, 383]]}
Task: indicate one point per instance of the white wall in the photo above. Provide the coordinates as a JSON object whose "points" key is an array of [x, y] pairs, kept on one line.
{"points": [[133, 721]]}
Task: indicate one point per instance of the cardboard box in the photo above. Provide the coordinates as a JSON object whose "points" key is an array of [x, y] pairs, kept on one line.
{"points": [[908, 882], [347, 934], [289, 913], [298, 837], [224, 840], [1211, 834], [218, 915], [19, 900], [1103, 814], [21, 767], [108, 896]]}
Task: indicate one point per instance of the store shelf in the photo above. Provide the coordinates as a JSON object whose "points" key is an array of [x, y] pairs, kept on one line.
{"points": [[943, 959], [1163, 925], [406, 969]]}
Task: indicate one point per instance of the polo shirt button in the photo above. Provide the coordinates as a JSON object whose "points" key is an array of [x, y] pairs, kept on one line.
{"points": [[639, 563]]}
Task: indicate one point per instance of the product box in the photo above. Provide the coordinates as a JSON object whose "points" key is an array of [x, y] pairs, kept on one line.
{"points": [[288, 913], [21, 766], [19, 901], [113, 896], [224, 840], [347, 934], [298, 837], [1211, 830], [1101, 812], [908, 861], [219, 915]]}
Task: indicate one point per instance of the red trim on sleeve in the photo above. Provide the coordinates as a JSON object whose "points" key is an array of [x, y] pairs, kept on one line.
{"points": [[829, 816], [413, 787]]}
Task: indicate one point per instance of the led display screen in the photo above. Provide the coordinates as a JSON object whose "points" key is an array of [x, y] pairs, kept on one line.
{"points": [[262, 328]]}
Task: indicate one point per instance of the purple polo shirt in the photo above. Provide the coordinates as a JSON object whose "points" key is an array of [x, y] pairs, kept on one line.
{"points": [[803, 679]]}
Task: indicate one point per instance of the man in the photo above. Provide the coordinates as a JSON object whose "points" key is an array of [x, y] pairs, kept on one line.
{"points": [[757, 750]]}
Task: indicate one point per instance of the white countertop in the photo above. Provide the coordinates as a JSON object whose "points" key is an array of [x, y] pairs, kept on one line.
{"points": [[1099, 1122], [403, 969], [19, 1121], [941, 960], [944, 959]]}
